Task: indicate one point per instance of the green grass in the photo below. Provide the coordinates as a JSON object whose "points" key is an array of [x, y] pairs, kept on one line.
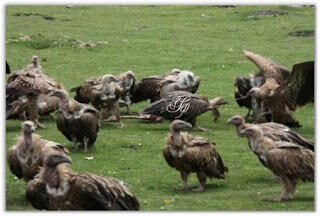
{"points": [[153, 40]]}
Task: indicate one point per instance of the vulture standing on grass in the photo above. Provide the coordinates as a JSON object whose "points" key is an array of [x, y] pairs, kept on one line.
{"points": [[126, 82], [22, 104], [182, 105], [103, 93], [78, 122], [283, 91], [286, 160], [32, 78], [57, 187], [188, 153], [156, 87], [274, 131], [27, 155], [258, 86]]}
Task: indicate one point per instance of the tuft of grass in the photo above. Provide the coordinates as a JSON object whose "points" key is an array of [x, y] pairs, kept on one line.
{"points": [[152, 40]]}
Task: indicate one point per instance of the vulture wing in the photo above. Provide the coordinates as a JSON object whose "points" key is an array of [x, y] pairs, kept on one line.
{"points": [[168, 156], [103, 193], [279, 132], [36, 194], [291, 161], [269, 68], [14, 163], [298, 88], [147, 88], [63, 125]]}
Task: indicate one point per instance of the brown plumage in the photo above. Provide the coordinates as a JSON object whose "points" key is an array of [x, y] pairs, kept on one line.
{"points": [[126, 83], [103, 93], [274, 131], [188, 153], [27, 155], [47, 104], [22, 104], [296, 91], [156, 87], [32, 78], [57, 187], [78, 122], [183, 105], [288, 161]]}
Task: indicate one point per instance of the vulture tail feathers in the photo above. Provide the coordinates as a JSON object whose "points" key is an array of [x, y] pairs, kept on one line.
{"points": [[154, 108]]}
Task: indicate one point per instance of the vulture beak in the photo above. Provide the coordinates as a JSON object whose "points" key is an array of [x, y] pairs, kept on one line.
{"points": [[33, 129], [65, 159], [187, 125], [229, 121]]}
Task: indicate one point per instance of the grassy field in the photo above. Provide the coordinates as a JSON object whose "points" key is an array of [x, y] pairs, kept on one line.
{"points": [[152, 40]]}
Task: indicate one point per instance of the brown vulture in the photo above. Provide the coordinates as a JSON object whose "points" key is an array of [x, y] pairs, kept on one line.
{"points": [[103, 93], [243, 86], [156, 87], [126, 82], [182, 105], [286, 160], [22, 104], [57, 187], [32, 78], [274, 131], [188, 153], [26, 156], [78, 122]]}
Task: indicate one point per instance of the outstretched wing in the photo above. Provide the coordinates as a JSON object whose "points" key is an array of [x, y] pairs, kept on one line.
{"points": [[298, 88], [269, 68]]}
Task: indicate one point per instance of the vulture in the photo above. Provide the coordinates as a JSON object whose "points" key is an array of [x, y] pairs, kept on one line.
{"points": [[103, 93], [47, 104], [126, 82], [182, 105], [279, 93], [22, 104], [243, 86], [274, 131], [156, 87], [187, 153], [27, 155], [58, 187], [288, 161], [78, 122], [32, 78], [8, 71]]}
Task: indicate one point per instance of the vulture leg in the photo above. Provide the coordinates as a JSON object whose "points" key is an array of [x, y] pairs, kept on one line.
{"points": [[247, 117], [151, 117], [38, 124], [216, 114], [202, 178], [195, 126], [288, 190], [184, 177], [85, 142], [124, 103]]}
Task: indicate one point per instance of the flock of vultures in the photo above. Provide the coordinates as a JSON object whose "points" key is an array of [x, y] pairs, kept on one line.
{"points": [[271, 96]]}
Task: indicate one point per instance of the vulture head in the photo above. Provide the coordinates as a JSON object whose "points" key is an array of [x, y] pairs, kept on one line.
{"points": [[175, 71], [54, 148], [55, 159], [251, 132], [178, 125], [130, 80], [216, 102], [59, 93], [186, 79], [108, 78], [255, 92], [236, 120], [28, 127]]}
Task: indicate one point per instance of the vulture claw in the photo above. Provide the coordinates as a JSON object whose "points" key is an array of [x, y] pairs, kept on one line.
{"points": [[198, 189]]}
